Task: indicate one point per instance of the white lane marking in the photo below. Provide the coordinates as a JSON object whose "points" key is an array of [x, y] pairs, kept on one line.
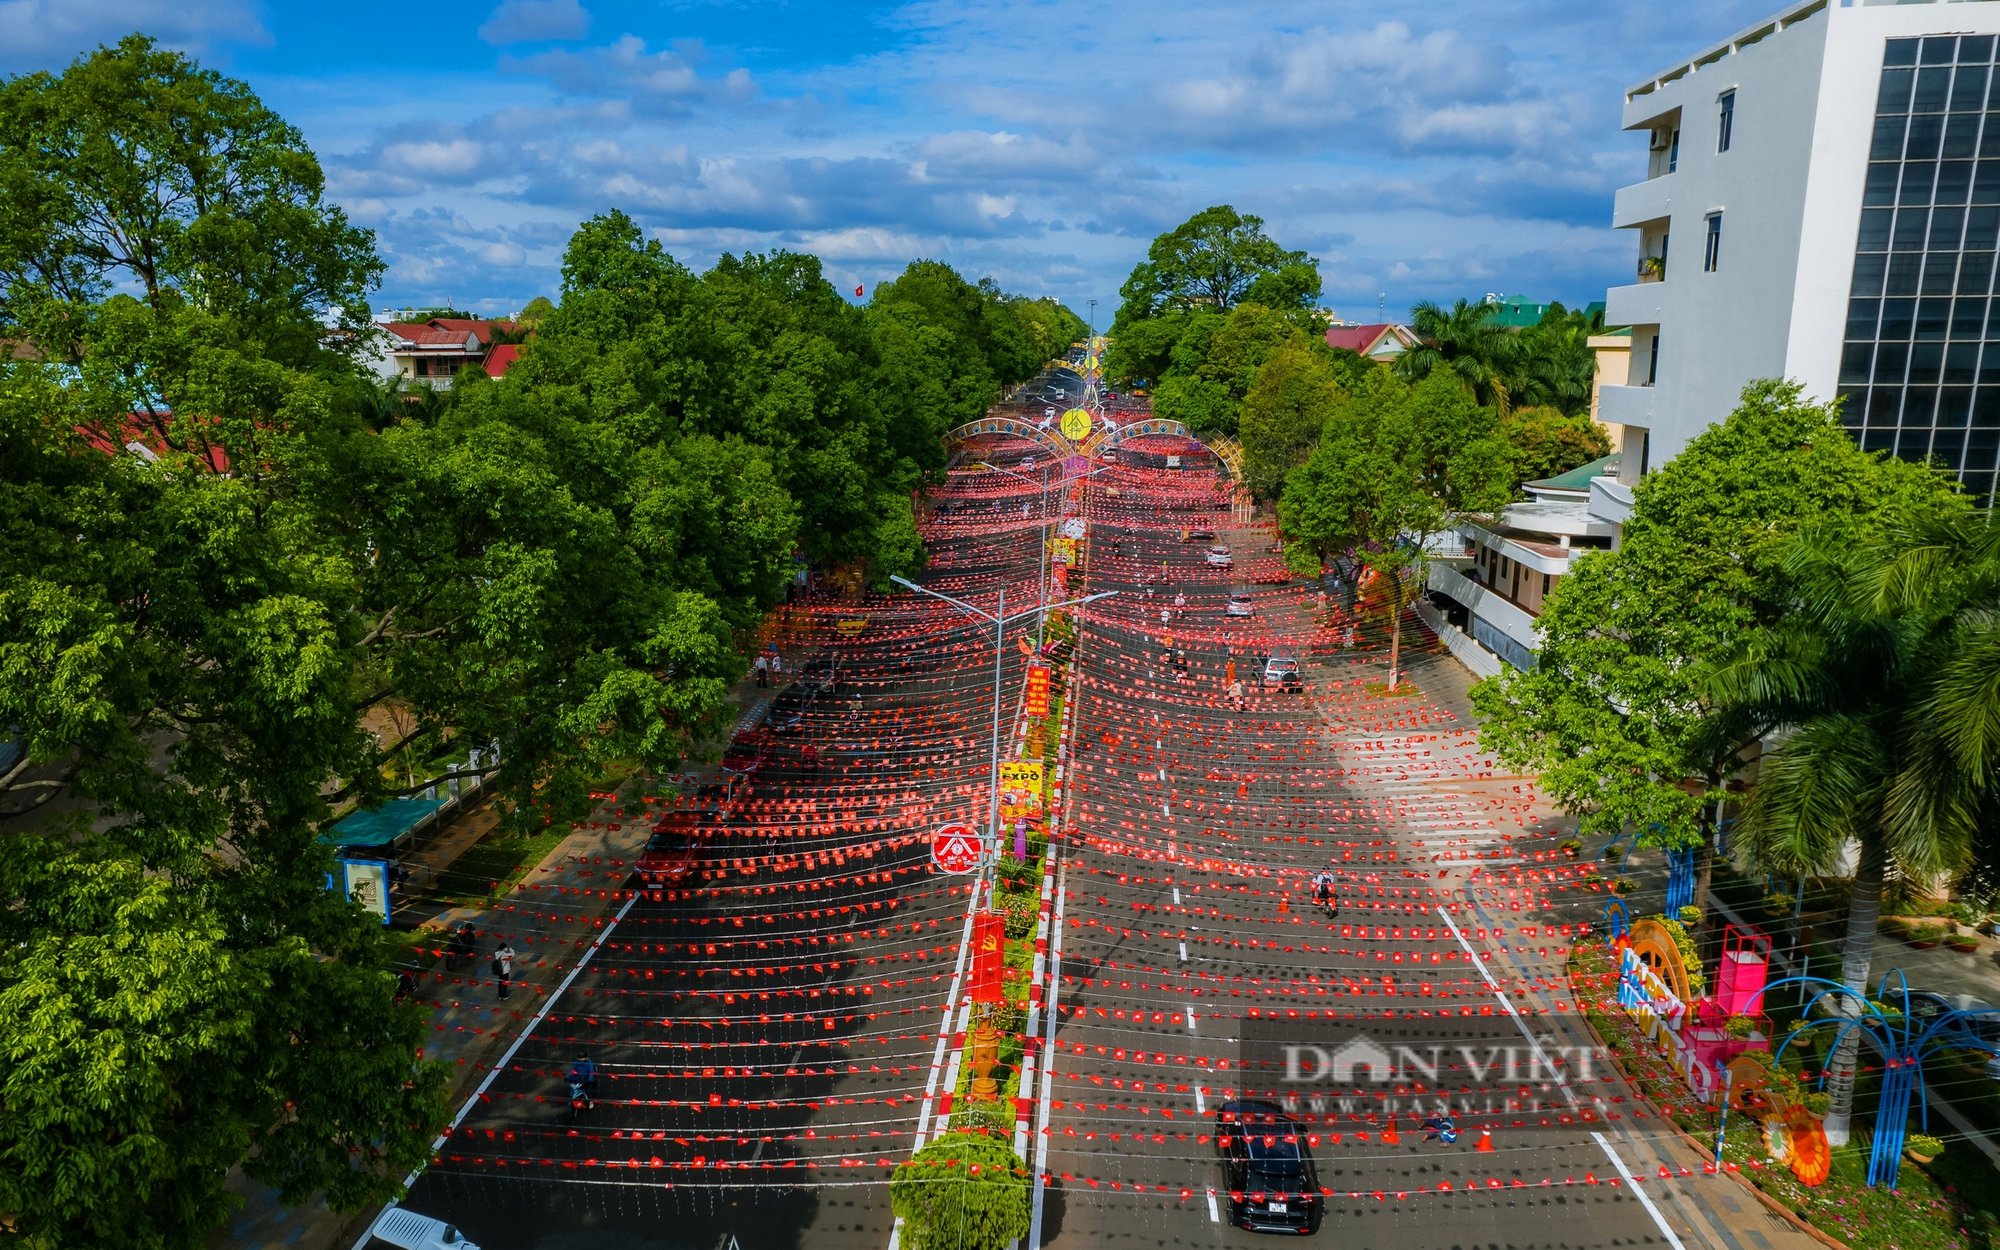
{"points": [[1048, 1058], [1166, 811], [1183, 952], [486, 1082], [1214, 1216], [1190, 1018], [1638, 1191], [1200, 1103], [1177, 896]]}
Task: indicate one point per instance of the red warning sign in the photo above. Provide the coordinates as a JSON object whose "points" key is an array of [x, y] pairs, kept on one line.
{"points": [[955, 848]]}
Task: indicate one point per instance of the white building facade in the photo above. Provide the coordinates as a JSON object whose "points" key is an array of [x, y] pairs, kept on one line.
{"points": [[1822, 204]]}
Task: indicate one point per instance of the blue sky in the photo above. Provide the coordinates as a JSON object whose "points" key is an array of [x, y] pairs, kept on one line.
{"points": [[1450, 150]]}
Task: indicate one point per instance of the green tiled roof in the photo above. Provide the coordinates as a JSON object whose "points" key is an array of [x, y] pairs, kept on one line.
{"points": [[1578, 479], [1518, 312]]}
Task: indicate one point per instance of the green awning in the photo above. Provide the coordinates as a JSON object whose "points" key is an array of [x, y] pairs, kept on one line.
{"points": [[380, 826]]}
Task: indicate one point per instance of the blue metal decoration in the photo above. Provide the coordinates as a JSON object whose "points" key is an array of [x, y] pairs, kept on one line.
{"points": [[1617, 920], [1680, 878]]}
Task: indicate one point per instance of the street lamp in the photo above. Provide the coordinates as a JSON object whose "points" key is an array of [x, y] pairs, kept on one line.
{"points": [[1001, 620]]}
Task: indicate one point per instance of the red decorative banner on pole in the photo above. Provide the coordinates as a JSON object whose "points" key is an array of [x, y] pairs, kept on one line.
{"points": [[1038, 690], [989, 948]]}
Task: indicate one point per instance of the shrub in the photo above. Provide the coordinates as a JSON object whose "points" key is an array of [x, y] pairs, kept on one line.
{"points": [[961, 1192], [1690, 916], [1623, 886], [1923, 1144], [1818, 1103], [1570, 847], [992, 1118], [1022, 911], [1777, 904], [1739, 1026], [1016, 875]]}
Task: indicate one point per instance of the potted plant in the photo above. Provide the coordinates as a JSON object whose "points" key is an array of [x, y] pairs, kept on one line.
{"points": [[1623, 886], [1652, 268], [1926, 937], [1777, 904], [1818, 1103], [1690, 917], [1570, 847], [1963, 943], [1922, 1147], [1739, 1027]]}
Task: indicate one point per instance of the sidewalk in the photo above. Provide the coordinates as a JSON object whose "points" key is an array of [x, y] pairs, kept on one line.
{"points": [[550, 918]]}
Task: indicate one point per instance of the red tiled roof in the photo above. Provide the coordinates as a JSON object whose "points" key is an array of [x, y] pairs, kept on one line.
{"points": [[442, 331], [501, 359], [1357, 338], [482, 329], [149, 432]]}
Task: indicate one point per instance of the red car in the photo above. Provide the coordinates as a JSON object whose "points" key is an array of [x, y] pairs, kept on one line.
{"points": [[676, 839], [746, 755]]}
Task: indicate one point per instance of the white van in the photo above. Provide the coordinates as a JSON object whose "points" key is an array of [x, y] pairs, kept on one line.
{"points": [[1173, 462], [407, 1230]]}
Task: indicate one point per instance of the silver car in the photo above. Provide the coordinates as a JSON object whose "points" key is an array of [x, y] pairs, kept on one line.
{"points": [[1219, 558]]}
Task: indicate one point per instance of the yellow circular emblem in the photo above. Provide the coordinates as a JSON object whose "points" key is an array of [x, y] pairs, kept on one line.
{"points": [[1076, 425]]}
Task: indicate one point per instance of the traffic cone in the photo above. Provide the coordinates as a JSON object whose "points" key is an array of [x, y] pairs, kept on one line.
{"points": [[1389, 1135], [1485, 1145], [1285, 902]]}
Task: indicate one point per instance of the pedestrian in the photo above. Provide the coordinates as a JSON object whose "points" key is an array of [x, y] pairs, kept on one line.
{"points": [[463, 950], [1180, 666], [1235, 694], [810, 759], [584, 1072], [1180, 603], [503, 966], [1229, 672], [777, 665], [1165, 615], [762, 668]]}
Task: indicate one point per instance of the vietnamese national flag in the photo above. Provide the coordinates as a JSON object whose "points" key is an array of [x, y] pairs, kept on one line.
{"points": [[857, 292]]}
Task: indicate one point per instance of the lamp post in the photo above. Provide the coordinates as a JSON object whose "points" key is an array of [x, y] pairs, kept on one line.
{"points": [[1001, 619], [1046, 539]]}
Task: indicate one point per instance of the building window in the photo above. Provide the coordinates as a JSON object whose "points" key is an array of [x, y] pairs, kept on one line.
{"points": [[1920, 360], [1711, 253], [1653, 361], [1546, 583], [1726, 122], [1674, 151]]}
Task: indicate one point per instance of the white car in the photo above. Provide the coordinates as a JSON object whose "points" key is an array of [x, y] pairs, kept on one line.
{"points": [[1283, 671], [1240, 605], [1219, 558], [404, 1228]]}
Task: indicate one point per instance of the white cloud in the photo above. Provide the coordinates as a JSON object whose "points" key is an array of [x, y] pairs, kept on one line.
{"points": [[442, 158], [535, 21], [47, 34]]}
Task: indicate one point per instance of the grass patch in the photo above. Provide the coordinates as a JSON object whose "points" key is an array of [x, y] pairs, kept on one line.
{"points": [[1380, 689], [489, 871]]}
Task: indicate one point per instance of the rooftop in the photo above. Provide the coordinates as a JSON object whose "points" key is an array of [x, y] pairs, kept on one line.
{"points": [[1577, 481]]}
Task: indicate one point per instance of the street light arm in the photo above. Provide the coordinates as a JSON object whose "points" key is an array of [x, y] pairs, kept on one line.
{"points": [[960, 604], [1050, 607]]}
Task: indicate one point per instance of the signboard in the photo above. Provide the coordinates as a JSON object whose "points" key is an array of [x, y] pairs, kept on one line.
{"points": [[989, 955], [1038, 697], [1076, 425], [955, 848], [1064, 550], [1073, 528], [366, 882], [1020, 792]]}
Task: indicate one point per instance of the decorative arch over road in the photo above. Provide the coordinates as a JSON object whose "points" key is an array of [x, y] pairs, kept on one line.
{"points": [[1054, 443], [1226, 450]]}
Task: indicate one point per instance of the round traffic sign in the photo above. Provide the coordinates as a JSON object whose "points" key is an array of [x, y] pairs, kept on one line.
{"points": [[955, 848], [1073, 528], [1076, 425]]}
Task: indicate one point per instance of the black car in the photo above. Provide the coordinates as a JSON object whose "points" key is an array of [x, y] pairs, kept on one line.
{"points": [[788, 710], [821, 674], [1273, 1186]]}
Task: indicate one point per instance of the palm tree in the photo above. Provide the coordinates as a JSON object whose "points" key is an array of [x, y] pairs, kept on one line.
{"points": [[1465, 341], [1887, 679]]}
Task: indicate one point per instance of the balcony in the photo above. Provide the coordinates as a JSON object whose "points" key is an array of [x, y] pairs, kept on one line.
{"points": [[1610, 500], [1634, 305], [1625, 405], [1642, 203], [1486, 604]]}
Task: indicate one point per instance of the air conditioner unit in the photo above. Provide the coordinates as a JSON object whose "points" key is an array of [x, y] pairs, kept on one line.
{"points": [[1661, 140]]}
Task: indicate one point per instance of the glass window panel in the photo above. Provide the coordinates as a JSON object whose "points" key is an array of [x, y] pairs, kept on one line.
{"points": [[1989, 371], [1919, 402], [1868, 272], [1961, 363], [1878, 440], [1900, 52], [1885, 404], [1986, 184], [1933, 318], [1874, 235], [1947, 228], [1899, 318], [1980, 444], [1933, 89], [1856, 359], [1975, 273], [1862, 314], [1961, 135], [1975, 48], [1887, 144], [1954, 181], [1911, 229], [1926, 362], [1940, 274], [1948, 449], [1982, 228], [1917, 179], [1853, 402], [1892, 361], [1954, 404], [1925, 134], [1882, 183], [1968, 89], [1894, 95], [1968, 318], [1986, 407], [1904, 274], [1939, 50]]}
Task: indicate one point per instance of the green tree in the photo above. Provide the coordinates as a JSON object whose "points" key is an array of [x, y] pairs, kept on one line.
{"points": [[1207, 408], [1880, 674], [533, 311], [1464, 342], [964, 1191], [1617, 716], [1294, 397], [1145, 348], [1547, 442], [1396, 466], [1553, 363], [1216, 259]]}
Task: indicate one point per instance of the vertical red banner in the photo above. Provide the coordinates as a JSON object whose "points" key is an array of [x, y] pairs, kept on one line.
{"points": [[1038, 690], [989, 951]]}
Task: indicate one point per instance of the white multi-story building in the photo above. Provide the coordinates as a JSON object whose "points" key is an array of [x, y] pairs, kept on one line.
{"points": [[1822, 203]]}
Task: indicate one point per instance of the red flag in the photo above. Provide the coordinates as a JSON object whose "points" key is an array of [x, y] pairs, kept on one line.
{"points": [[857, 292], [989, 950]]}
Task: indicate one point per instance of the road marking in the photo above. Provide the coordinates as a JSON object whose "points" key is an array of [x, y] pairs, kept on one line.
{"points": [[1638, 1191], [1214, 1216], [1166, 811], [1048, 1073], [1183, 952], [1177, 896], [485, 1083], [1190, 1018], [1200, 1103]]}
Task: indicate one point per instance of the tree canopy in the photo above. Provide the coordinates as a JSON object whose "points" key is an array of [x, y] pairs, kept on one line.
{"points": [[1549, 364], [1217, 259]]}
